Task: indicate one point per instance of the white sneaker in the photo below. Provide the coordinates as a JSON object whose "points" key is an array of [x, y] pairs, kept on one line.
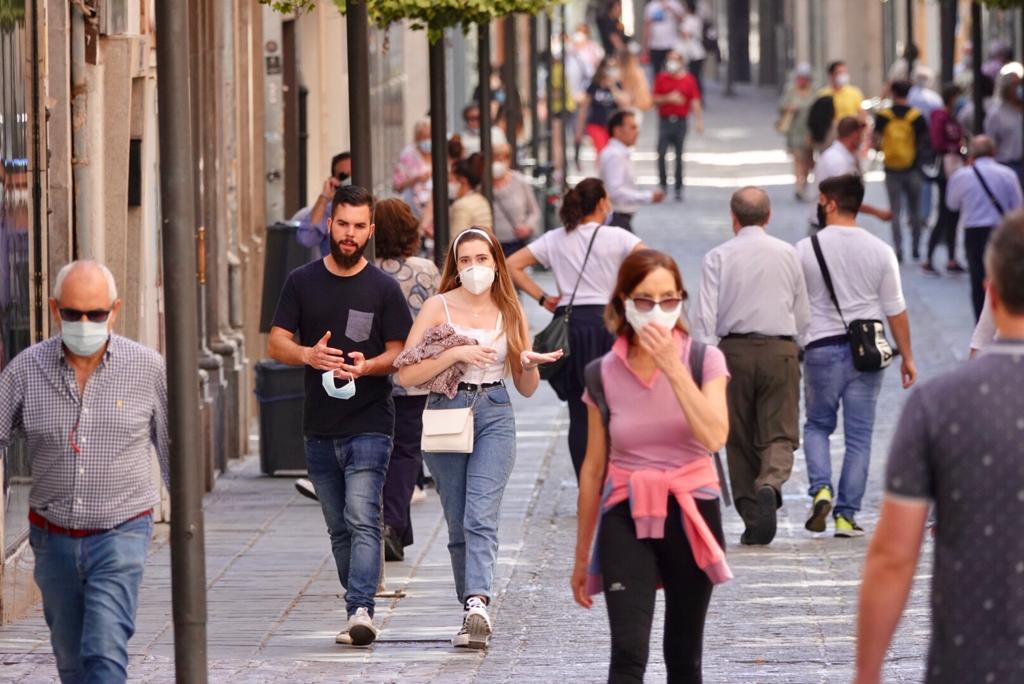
{"points": [[476, 626], [305, 487], [343, 638], [360, 628]]}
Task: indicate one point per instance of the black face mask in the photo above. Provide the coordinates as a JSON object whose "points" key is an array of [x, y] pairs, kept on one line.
{"points": [[822, 218], [341, 177]]}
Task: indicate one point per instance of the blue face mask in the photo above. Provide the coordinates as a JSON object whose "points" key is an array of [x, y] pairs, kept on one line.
{"points": [[346, 391], [84, 338]]}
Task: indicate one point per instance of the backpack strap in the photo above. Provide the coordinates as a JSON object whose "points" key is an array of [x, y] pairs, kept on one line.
{"points": [[697, 352], [594, 383]]}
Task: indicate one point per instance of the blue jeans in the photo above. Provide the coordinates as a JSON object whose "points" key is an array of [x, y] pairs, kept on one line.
{"points": [[471, 486], [348, 474], [90, 589], [831, 379]]}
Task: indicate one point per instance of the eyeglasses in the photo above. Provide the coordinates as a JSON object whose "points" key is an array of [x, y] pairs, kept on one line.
{"points": [[643, 304], [74, 315]]}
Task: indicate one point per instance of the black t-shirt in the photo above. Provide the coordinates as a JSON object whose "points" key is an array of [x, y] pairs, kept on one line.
{"points": [[362, 312], [602, 105]]}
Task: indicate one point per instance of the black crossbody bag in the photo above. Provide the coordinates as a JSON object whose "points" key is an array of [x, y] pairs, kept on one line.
{"points": [[556, 335], [871, 350]]}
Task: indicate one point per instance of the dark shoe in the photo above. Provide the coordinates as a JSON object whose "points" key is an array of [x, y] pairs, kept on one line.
{"points": [[929, 270], [820, 508], [763, 530], [899, 257], [917, 254], [393, 549], [304, 486], [679, 195], [954, 267]]}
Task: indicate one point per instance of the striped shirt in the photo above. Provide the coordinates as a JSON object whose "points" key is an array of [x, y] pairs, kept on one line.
{"points": [[90, 452]]}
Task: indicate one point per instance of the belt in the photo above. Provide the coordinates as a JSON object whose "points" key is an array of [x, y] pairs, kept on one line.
{"points": [[44, 524], [758, 336], [829, 342], [471, 387]]}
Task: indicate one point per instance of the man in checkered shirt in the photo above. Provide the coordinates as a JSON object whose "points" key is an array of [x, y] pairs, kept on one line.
{"points": [[91, 406]]}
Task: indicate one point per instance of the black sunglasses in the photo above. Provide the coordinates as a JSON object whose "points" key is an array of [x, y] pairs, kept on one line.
{"points": [[94, 316]]}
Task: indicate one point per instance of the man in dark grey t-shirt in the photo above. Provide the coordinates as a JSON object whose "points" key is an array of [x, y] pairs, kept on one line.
{"points": [[960, 444]]}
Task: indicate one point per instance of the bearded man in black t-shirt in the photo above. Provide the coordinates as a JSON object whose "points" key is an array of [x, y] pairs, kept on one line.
{"points": [[346, 321]]}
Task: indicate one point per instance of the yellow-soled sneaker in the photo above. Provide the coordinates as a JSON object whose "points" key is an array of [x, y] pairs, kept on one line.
{"points": [[820, 508], [848, 527]]}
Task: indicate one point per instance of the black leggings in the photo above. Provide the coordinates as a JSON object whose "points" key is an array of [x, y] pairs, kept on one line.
{"points": [[631, 570]]}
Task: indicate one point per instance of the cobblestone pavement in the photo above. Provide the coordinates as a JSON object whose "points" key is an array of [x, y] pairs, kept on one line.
{"points": [[789, 616]]}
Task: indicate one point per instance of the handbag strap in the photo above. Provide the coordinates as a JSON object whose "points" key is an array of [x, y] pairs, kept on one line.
{"points": [[697, 350], [825, 274], [582, 269], [988, 191]]}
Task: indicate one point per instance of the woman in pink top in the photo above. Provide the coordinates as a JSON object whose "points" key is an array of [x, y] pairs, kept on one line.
{"points": [[660, 523]]}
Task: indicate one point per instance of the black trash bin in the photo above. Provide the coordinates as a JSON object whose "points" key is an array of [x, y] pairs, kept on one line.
{"points": [[283, 255], [280, 391]]}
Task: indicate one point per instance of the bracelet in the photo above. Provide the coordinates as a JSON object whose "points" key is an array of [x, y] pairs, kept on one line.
{"points": [[542, 299], [326, 197]]}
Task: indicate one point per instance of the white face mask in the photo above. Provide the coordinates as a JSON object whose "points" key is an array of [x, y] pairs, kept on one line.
{"points": [[499, 169], [84, 338], [843, 80], [638, 319], [674, 66], [454, 188], [477, 279]]}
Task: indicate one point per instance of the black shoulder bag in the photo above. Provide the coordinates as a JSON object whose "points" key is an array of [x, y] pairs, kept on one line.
{"points": [[556, 335], [594, 382], [988, 191], [871, 350]]}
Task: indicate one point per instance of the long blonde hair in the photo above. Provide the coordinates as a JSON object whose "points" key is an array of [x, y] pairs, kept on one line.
{"points": [[503, 292]]}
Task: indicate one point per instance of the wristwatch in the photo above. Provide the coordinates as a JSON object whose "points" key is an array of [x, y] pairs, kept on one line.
{"points": [[541, 299]]}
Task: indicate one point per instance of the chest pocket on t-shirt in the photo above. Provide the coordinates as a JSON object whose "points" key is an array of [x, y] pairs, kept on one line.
{"points": [[359, 325]]}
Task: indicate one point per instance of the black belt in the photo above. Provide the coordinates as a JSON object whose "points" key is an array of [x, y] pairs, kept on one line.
{"points": [[758, 336], [470, 387], [835, 340]]}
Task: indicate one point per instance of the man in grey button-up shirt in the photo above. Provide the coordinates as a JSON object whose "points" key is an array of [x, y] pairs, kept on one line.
{"points": [[91, 405]]}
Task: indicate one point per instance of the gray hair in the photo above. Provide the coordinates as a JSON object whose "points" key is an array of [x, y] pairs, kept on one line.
{"points": [[63, 273], [751, 206]]}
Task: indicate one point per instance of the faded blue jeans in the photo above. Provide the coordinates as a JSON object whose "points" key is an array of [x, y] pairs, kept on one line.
{"points": [[348, 474], [830, 380], [471, 486], [90, 589]]}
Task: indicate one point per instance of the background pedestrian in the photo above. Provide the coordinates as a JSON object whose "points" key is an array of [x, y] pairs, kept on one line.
{"points": [[469, 207], [516, 212], [676, 94], [617, 172], [793, 109], [584, 256]]}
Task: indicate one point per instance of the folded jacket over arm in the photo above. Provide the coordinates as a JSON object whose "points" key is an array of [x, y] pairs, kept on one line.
{"points": [[435, 341]]}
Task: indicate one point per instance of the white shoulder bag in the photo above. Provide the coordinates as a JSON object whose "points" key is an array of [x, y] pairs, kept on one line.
{"points": [[448, 431]]}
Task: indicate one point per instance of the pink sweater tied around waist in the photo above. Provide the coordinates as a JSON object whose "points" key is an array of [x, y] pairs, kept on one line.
{"points": [[647, 492]]}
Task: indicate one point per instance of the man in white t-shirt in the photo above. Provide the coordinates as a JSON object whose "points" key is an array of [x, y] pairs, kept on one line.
{"points": [[840, 158], [661, 30], [866, 279]]}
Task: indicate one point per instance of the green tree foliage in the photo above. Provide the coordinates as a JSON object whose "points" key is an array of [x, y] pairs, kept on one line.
{"points": [[1003, 4], [432, 15]]}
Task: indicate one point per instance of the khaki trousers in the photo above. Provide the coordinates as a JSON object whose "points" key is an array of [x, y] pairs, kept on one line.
{"points": [[764, 416]]}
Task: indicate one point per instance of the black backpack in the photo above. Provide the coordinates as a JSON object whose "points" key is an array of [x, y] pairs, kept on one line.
{"points": [[594, 383], [820, 117]]}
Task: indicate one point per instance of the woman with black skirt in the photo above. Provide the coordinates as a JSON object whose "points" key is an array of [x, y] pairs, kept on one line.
{"points": [[585, 210]]}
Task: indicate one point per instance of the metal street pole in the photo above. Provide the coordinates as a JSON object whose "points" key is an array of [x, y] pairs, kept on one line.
{"points": [[564, 94], [188, 555], [508, 71], [910, 50], [439, 148], [976, 52], [947, 36], [483, 57], [356, 29], [532, 99]]}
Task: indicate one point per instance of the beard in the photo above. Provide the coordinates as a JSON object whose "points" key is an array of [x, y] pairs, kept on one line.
{"points": [[346, 261]]}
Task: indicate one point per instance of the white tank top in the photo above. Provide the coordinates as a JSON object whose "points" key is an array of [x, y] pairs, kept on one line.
{"points": [[495, 339]]}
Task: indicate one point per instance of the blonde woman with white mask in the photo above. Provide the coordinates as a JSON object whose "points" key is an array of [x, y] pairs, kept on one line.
{"points": [[478, 300]]}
